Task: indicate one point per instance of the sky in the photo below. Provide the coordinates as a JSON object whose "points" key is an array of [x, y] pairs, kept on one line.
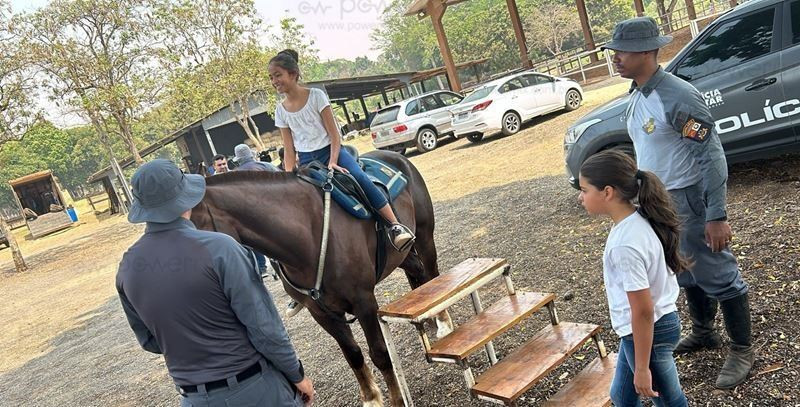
{"points": [[340, 29]]}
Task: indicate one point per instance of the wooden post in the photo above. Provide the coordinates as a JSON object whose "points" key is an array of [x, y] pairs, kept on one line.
{"points": [[588, 38], [385, 98], [19, 261], [346, 114], [422, 85], [402, 95], [476, 72], [639, 6], [364, 106], [519, 34], [436, 10], [690, 10]]}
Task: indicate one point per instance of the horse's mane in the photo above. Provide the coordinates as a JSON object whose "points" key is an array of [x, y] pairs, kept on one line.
{"points": [[234, 176]]}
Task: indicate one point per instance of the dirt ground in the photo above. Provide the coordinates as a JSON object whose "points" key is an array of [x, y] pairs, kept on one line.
{"points": [[66, 341]]}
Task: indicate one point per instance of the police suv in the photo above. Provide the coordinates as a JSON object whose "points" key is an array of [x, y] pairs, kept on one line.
{"points": [[746, 64]]}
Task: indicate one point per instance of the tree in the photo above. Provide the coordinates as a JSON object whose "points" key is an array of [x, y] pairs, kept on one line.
{"points": [[17, 112], [604, 15], [551, 24], [101, 59], [219, 40]]}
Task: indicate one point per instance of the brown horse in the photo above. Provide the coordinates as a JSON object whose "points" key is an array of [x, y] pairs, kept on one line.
{"points": [[281, 216]]}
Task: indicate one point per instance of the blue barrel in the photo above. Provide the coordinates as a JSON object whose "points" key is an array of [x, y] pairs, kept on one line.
{"points": [[72, 214]]}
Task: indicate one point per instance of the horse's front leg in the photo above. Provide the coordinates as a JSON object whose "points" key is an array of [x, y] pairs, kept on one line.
{"points": [[341, 332], [368, 318]]}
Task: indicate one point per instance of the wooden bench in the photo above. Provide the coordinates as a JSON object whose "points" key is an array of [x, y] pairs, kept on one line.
{"points": [[590, 388], [519, 371]]}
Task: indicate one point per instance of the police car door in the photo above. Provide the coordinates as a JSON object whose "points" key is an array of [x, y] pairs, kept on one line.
{"points": [[791, 63], [736, 66]]}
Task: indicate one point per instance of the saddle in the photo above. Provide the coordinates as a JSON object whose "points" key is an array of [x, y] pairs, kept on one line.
{"points": [[348, 194]]}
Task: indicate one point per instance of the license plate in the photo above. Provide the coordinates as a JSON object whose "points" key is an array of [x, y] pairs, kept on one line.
{"points": [[462, 116]]}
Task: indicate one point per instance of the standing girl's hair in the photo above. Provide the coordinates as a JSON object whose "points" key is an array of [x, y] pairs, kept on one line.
{"points": [[618, 170]]}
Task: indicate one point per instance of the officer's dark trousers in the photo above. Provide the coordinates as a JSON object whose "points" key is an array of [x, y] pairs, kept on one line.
{"points": [[266, 389], [715, 273]]}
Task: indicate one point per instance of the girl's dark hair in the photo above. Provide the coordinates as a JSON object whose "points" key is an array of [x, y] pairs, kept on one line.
{"points": [[287, 59], [618, 170]]}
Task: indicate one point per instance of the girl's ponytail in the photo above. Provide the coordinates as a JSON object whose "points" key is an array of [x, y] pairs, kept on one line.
{"points": [[618, 170], [656, 205]]}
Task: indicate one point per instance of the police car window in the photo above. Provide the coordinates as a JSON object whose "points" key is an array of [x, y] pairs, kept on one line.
{"points": [[730, 44], [412, 108], [796, 22], [513, 84]]}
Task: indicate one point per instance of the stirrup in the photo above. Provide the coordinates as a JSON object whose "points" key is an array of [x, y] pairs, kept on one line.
{"points": [[405, 246]]}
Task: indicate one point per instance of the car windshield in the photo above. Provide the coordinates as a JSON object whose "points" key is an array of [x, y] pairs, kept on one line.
{"points": [[385, 116], [479, 93]]}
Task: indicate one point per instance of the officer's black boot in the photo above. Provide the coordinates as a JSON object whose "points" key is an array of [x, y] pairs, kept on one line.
{"points": [[736, 312], [702, 310]]}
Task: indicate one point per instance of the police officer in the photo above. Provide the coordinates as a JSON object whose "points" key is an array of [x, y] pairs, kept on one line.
{"points": [[197, 298], [673, 135]]}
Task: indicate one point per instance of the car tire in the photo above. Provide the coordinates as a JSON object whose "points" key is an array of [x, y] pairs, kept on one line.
{"points": [[475, 137], [427, 140], [572, 100], [511, 123]]}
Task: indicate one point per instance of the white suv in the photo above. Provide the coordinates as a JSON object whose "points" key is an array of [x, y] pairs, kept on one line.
{"points": [[418, 121]]}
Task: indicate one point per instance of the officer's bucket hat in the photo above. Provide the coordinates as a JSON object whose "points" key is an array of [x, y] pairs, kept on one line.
{"points": [[638, 34], [162, 192]]}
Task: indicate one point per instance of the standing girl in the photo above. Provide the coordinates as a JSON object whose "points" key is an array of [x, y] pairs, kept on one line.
{"points": [[306, 122], [640, 261]]}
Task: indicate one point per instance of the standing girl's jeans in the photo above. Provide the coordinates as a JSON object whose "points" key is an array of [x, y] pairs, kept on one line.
{"points": [[666, 333], [323, 155]]}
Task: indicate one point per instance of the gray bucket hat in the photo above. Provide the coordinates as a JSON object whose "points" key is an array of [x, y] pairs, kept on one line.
{"points": [[638, 34], [242, 152], [162, 192]]}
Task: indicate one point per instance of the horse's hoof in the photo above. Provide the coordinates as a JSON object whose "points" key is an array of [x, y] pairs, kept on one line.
{"points": [[443, 330]]}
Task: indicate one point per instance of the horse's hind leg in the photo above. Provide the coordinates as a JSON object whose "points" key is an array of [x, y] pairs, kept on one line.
{"points": [[341, 332], [367, 314]]}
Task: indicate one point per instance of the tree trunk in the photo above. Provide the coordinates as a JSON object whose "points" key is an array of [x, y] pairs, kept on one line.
{"points": [[664, 16], [19, 261], [125, 130], [243, 121]]}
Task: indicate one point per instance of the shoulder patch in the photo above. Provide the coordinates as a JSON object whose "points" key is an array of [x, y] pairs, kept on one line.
{"points": [[696, 130]]}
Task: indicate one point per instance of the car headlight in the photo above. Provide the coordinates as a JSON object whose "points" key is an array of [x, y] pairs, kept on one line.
{"points": [[574, 133]]}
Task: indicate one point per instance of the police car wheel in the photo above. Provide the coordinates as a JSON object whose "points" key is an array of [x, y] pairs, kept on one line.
{"points": [[511, 123], [572, 100]]}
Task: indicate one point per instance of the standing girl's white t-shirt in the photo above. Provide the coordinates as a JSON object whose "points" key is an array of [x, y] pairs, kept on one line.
{"points": [[634, 260], [308, 131]]}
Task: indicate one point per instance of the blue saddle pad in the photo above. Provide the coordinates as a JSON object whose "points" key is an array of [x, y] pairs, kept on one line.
{"points": [[389, 180]]}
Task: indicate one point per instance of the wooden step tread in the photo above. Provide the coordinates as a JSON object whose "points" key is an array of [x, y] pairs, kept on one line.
{"points": [[487, 325], [520, 370], [453, 283], [590, 388]]}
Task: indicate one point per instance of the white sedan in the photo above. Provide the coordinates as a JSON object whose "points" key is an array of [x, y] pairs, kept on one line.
{"points": [[504, 104]]}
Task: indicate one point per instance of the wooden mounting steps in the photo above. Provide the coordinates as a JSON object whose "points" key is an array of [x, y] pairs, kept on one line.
{"points": [[590, 387], [449, 287], [520, 370], [493, 321]]}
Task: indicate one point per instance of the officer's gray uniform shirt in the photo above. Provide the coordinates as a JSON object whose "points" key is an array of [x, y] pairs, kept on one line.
{"points": [[674, 137], [196, 297]]}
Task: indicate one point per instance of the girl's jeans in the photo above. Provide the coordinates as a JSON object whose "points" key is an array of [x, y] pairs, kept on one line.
{"points": [[666, 333]]}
